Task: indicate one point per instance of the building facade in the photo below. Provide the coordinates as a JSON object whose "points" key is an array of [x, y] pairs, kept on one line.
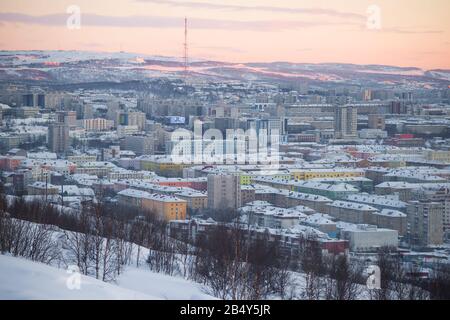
{"points": [[224, 191]]}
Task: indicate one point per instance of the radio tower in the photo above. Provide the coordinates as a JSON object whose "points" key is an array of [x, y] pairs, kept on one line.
{"points": [[186, 67]]}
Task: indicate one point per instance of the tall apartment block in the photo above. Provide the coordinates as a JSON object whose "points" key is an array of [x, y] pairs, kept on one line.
{"points": [[224, 191], [58, 134], [345, 122], [425, 223]]}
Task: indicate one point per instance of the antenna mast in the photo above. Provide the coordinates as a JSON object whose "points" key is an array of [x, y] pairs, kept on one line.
{"points": [[185, 48]]}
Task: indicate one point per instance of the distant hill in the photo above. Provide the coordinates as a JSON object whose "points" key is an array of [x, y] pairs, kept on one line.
{"points": [[83, 66]]}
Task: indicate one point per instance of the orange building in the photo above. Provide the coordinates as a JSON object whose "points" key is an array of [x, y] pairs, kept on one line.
{"points": [[10, 163], [168, 207]]}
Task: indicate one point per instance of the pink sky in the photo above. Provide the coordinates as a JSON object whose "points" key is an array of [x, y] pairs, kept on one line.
{"points": [[413, 32]]}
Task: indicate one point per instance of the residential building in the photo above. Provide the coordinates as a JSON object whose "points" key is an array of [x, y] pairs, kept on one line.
{"points": [[58, 134], [165, 206], [97, 124], [196, 201], [345, 122], [140, 145], [224, 191], [425, 221], [351, 212]]}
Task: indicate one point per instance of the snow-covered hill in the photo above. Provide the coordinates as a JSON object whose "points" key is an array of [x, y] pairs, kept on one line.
{"points": [[83, 66], [22, 279]]}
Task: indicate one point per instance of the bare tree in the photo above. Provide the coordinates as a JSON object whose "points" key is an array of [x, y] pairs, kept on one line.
{"points": [[342, 278], [109, 251], [79, 244], [97, 224], [439, 282], [312, 266]]}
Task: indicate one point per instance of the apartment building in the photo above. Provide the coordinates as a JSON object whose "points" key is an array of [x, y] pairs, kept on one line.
{"points": [[165, 206], [391, 219], [425, 221], [307, 174], [351, 212], [224, 191], [196, 201]]}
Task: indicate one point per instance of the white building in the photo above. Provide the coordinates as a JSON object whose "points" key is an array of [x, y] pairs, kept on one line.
{"points": [[373, 134], [365, 238]]}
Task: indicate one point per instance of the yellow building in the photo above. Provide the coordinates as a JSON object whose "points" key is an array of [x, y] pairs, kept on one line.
{"points": [[167, 207], [434, 155], [247, 179], [196, 201], [281, 176], [163, 165], [387, 163], [307, 174]]}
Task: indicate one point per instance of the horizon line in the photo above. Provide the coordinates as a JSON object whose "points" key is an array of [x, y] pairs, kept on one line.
{"points": [[227, 61]]}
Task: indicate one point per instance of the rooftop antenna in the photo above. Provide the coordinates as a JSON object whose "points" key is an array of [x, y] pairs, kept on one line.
{"points": [[185, 57]]}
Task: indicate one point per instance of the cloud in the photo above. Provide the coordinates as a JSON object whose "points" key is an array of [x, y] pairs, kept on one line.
{"points": [[409, 31], [135, 21], [402, 30], [144, 21], [50, 20], [272, 9]]}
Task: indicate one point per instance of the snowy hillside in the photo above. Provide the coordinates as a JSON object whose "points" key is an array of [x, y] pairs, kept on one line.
{"points": [[85, 66], [25, 280], [160, 285]]}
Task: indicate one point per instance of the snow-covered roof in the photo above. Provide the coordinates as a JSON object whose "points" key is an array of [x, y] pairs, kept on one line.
{"points": [[42, 155], [97, 164], [319, 219], [391, 213], [303, 209], [191, 194], [42, 185], [259, 203], [339, 187], [146, 195], [133, 193], [306, 231], [352, 206], [346, 226], [373, 199], [270, 210], [309, 197]]}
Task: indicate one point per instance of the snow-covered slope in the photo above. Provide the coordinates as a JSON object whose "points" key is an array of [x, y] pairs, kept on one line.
{"points": [[25, 280], [84, 66], [160, 285]]}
